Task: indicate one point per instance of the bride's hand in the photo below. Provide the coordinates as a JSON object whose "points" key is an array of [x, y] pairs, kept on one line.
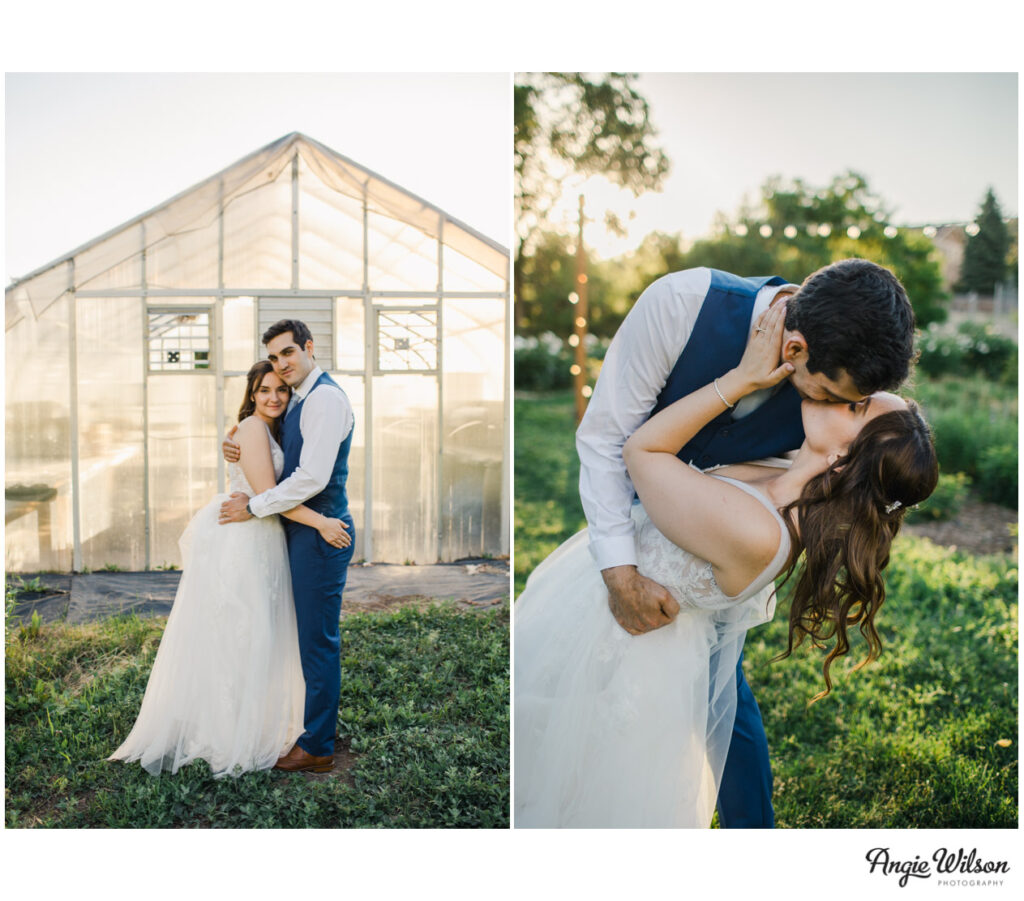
{"points": [[335, 532], [760, 367]]}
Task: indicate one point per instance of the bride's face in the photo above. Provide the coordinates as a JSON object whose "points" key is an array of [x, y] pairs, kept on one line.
{"points": [[831, 427], [271, 397]]}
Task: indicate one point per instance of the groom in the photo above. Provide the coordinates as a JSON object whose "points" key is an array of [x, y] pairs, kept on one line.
{"points": [[315, 435], [848, 333]]}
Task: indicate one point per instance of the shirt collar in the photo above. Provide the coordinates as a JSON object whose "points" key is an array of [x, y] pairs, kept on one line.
{"points": [[308, 382]]}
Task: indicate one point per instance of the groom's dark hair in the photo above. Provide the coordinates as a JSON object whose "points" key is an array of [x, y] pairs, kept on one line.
{"points": [[300, 331], [855, 315]]}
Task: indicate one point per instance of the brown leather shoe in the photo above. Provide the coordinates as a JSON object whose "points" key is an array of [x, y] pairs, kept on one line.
{"points": [[299, 761]]}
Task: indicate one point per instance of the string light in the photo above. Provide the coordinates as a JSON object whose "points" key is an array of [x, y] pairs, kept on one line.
{"points": [[891, 231], [765, 230], [574, 340], [789, 231], [853, 232], [574, 369], [740, 230], [586, 390], [574, 298]]}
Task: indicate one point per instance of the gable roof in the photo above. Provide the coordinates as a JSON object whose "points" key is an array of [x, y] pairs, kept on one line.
{"points": [[200, 204]]}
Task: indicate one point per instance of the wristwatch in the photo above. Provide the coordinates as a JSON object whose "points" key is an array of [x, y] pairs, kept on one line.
{"points": [[248, 509]]}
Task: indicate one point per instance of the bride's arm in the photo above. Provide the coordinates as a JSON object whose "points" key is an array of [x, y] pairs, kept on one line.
{"points": [[705, 516], [258, 467]]}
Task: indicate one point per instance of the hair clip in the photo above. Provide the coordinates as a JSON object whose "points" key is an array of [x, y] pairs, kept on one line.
{"points": [[895, 505]]}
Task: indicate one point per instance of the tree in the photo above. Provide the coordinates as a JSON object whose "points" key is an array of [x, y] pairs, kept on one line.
{"points": [[795, 229], [569, 123], [986, 252]]}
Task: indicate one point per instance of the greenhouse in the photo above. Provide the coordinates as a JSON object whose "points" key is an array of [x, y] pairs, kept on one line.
{"points": [[126, 364]]}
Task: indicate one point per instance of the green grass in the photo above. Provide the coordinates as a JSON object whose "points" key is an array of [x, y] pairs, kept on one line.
{"points": [[547, 472], [424, 706], [915, 739], [923, 737]]}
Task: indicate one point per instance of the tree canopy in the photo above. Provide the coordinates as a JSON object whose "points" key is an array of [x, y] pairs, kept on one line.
{"points": [[792, 230], [571, 122]]}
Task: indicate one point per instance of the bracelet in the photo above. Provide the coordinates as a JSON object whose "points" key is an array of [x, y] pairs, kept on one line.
{"points": [[719, 392]]}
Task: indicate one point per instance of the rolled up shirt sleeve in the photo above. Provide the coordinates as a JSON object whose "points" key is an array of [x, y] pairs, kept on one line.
{"points": [[326, 420], [635, 369]]}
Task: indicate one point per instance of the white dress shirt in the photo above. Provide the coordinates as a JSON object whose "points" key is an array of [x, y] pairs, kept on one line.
{"points": [[639, 361], [325, 421]]}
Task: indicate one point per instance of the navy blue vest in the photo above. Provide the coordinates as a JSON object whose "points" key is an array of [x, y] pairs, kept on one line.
{"points": [[333, 500], [716, 345]]}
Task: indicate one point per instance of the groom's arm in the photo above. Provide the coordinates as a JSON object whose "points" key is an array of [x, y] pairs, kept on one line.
{"points": [[326, 420], [636, 367]]}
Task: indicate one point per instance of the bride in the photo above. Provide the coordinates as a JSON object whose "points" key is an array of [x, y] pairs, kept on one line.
{"points": [[617, 730], [227, 684]]}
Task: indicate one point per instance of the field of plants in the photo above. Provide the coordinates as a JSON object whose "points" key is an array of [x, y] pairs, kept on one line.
{"points": [[424, 715], [927, 735]]}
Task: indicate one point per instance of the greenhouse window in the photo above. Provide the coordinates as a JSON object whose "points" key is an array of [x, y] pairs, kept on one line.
{"points": [[179, 340], [407, 340]]}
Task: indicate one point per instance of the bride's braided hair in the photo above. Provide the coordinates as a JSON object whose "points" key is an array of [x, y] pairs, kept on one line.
{"points": [[841, 524]]}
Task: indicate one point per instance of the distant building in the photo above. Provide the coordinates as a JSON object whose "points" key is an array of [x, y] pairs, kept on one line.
{"points": [[950, 241]]}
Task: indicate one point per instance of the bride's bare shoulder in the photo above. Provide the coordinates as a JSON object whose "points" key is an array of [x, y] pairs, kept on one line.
{"points": [[252, 428]]}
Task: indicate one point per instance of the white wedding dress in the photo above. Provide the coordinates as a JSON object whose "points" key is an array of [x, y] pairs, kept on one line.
{"points": [[616, 730], [227, 684]]}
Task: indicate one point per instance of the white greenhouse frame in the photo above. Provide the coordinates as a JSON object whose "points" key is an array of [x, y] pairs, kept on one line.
{"points": [[379, 197]]}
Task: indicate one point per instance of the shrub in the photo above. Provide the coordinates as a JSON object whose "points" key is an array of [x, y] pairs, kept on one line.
{"points": [[541, 364], [946, 500], [997, 474], [961, 436], [974, 349], [545, 363]]}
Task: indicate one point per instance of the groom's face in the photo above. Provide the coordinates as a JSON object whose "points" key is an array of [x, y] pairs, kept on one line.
{"points": [[818, 386], [291, 362]]}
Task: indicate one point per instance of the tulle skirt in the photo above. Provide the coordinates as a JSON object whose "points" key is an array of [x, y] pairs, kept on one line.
{"points": [[615, 730], [227, 684]]}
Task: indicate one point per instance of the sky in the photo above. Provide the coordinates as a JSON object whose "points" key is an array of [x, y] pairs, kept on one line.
{"points": [[88, 152], [929, 144]]}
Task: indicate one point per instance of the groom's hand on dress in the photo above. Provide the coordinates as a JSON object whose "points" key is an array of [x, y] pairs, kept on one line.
{"points": [[638, 604], [231, 451], [233, 509]]}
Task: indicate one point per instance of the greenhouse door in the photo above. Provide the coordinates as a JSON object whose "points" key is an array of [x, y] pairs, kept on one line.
{"points": [[180, 424], [404, 450]]}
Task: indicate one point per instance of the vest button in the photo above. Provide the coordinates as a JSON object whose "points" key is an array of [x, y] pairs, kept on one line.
{"points": [[724, 432]]}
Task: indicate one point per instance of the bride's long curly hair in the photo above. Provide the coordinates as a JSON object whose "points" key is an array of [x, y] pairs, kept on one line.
{"points": [[253, 379], [844, 522]]}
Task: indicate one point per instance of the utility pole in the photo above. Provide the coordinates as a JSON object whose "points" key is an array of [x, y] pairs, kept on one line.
{"points": [[579, 334]]}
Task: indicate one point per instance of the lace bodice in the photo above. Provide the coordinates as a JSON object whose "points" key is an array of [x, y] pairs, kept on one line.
{"points": [[236, 478], [690, 579]]}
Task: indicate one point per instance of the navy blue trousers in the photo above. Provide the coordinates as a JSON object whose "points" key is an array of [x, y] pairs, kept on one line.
{"points": [[318, 579], [745, 795]]}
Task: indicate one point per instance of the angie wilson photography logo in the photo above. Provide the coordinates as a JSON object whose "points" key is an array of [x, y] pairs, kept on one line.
{"points": [[959, 867]]}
